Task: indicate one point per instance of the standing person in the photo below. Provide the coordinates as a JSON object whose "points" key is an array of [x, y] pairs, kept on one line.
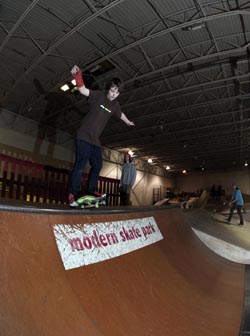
{"points": [[127, 179], [236, 203], [212, 191], [102, 106]]}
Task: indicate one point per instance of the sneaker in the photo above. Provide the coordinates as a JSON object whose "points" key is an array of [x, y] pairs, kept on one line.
{"points": [[97, 194], [228, 221], [72, 201], [241, 224]]}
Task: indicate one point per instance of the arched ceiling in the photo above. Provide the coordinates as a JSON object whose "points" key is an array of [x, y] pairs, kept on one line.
{"points": [[185, 65]]}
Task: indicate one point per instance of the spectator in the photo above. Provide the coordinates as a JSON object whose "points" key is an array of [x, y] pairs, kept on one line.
{"points": [[127, 179]]}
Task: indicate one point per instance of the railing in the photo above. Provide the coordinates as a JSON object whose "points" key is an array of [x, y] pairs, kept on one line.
{"points": [[34, 182]]}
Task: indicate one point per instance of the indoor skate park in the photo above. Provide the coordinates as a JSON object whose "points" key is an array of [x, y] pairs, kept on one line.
{"points": [[162, 256]]}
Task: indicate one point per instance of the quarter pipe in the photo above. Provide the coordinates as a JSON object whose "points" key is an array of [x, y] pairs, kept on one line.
{"points": [[175, 286]]}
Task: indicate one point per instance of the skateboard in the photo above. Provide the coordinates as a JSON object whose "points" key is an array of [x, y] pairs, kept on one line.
{"points": [[89, 201]]}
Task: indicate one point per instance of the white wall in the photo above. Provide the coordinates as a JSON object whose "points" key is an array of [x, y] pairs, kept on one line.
{"points": [[192, 182], [142, 192], [36, 150]]}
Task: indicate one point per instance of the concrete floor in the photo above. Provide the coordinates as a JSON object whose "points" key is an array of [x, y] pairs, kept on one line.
{"points": [[228, 240]]}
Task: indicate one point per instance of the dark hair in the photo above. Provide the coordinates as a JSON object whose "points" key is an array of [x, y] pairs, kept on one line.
{"points": [[114, 82]]}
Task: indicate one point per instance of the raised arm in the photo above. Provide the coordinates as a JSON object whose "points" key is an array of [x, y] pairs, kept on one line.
{"points": [[77, 74], [126, 121]]}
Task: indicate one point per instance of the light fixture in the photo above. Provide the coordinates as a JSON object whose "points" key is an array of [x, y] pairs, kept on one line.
{"points": [[184, 171], [150, 160], [197, 27], [74, 89], [65, 87], [167, 168], [194, 27], [73, 82], [246, 164]]}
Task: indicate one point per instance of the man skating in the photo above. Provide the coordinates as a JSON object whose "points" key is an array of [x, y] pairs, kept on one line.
{"points": [[102, 106]]}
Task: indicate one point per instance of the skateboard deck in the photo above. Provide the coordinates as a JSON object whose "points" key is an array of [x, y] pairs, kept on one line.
{"points": [[89, 201]]}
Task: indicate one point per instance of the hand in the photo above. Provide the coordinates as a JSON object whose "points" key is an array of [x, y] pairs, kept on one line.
{"points": [[77, 74], [75, 70]]}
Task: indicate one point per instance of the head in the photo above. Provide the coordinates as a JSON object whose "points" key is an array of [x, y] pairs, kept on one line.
{"points": [[127, 157], [235, 186], [113, 88]]}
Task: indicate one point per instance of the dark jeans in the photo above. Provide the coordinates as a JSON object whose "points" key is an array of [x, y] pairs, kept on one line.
{"points": [[124, 198], [238, 208], [125, 194], [84, 153]]}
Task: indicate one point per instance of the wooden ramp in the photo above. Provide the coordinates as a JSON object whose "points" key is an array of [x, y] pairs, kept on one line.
{"points": [[175, 287]]}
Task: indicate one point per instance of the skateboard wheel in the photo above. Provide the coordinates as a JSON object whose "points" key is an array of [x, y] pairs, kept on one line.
{"points": [[97, 205]]}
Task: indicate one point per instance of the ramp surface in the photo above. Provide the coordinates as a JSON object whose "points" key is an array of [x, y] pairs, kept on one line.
{"points": [[175, 287]]}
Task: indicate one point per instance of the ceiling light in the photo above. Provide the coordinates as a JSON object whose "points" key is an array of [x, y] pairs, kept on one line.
{"points": [[74, 89], [197, 27], [150, 160], [194, 27], [73, 82], [64, 88], [184, 171], [168, 168], [246, 164]]}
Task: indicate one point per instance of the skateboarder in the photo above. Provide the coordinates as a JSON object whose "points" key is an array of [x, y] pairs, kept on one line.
{"points": [[236, 203], [127, 179], [102, 106]]}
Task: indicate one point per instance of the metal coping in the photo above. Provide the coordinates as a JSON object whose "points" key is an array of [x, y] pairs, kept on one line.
{"points": [[63, 210]]}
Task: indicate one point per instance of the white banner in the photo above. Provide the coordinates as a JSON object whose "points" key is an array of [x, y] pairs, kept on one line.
{"points": [[84, 244]]}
